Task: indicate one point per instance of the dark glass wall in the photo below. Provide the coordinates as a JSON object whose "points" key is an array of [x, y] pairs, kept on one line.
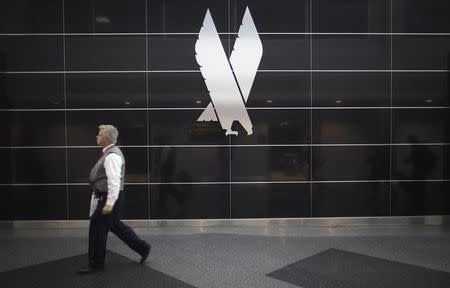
{"points": [[350, 108]]}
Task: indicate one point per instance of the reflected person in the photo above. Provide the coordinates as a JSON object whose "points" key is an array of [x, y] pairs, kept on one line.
{"points": [[422, 159], [107, 180], [423, 162]]}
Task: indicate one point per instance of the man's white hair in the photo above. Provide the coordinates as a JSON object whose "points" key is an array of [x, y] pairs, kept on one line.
{"points": [[110, 132]]}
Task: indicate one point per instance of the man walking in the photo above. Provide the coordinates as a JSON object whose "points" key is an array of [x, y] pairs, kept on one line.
{"points": [[107, 180]]}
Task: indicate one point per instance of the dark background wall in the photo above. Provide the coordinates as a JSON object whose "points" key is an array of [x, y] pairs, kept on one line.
{"points": [[350, 108]]}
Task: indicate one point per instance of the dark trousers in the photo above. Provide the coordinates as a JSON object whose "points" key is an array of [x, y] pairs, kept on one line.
{"points": [[101, 224]]}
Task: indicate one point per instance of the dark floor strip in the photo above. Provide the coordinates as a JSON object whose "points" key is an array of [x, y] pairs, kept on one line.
{"points": [[120, 272], [334, 268]]}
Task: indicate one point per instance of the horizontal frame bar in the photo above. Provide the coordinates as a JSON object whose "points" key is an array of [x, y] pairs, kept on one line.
{"points": [[233, 145], [239, 182], [233, 33], [263, 71]]}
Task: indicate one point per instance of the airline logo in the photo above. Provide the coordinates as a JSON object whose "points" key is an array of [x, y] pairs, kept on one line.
{"points": [[229, 81]]}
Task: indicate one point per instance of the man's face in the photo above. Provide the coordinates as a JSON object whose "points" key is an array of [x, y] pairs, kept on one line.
{"points": [[102, 140]]}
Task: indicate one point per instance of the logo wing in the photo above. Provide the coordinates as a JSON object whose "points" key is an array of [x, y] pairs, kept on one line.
{"points": [[246, 55], [219, 79]]}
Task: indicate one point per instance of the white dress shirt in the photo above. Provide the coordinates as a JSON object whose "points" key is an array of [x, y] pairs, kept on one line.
{"points": [[113, 169]]}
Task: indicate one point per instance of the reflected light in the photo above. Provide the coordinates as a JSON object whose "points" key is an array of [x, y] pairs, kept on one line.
{"points": [[127, 102], [338, 101], [429, 101], [269, 101], [198, 102], [102, 19]]}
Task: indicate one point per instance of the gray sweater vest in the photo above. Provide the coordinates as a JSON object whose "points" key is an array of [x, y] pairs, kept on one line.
{"points": [[98, 177]]}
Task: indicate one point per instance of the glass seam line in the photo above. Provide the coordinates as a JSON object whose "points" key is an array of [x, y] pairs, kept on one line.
{"points": [[238, 182]]}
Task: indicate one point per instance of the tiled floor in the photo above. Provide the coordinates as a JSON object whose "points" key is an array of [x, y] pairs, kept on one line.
{"points": [[234, 257]]}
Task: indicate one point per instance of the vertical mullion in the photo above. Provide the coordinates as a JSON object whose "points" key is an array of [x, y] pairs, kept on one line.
{"points": [[65, 106], [229, 137], [147, 118], [311, 110], [391, 112]]}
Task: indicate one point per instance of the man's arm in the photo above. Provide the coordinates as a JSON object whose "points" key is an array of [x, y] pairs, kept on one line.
{"points": [[113, 169]]}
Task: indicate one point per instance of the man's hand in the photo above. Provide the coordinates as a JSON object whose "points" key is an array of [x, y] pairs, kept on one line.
{"points": [[107, 209]]}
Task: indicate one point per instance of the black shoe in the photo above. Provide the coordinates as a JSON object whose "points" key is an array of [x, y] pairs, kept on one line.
{"points": [[90, 270], [145, 255]]}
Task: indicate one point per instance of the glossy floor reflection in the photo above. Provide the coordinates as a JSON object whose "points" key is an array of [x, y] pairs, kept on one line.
{"points": [[236, 257]]}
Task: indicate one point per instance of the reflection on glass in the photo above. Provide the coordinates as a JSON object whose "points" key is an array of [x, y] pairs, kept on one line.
{"points": [[179, 201], [352, 52], [104, 16], [180, 165], [421, 159], [420, 89], [350, 16], [269, 200], [270, 164], [420, 52], [350, 163], [432, 199]]}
